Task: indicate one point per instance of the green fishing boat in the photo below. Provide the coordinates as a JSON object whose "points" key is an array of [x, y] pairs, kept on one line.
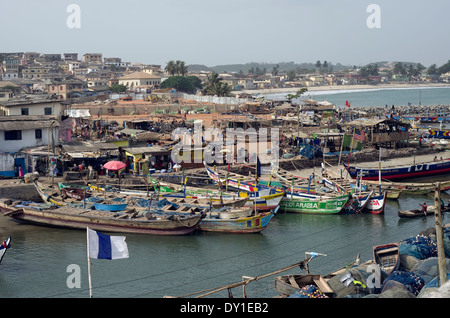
{"points": [[301, 203]]}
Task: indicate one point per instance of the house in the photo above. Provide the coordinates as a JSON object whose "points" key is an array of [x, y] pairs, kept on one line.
{"points": [[73, 57], [140, 79], [35, 71], [92, 58], [26, 107], [19, 132], [66, 88]]}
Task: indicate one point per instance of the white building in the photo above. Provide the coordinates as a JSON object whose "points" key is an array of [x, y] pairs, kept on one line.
{"points": [[140, 79], [46, 107]]}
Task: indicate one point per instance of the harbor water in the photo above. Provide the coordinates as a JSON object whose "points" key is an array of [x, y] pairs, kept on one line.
{"points": [[378, 97], [48, 262]]}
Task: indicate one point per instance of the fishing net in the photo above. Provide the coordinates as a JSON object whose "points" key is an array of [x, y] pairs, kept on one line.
{"points": [[420, 247], [411, 281], [447, 241], [428, 268], [309, 291], [393, 289], [358, 288]]}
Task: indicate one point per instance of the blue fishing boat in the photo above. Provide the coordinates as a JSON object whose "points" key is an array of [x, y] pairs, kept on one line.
{"points": [[117, 204], [401, 172]]}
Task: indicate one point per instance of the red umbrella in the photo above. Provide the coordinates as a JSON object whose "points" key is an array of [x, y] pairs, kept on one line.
{"points": [[114, 165]]}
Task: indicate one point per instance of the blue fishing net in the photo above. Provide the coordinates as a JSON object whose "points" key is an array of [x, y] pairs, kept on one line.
{"points": [[420, 247], [428, 268], [411, 281], [447, 241], [309, 291]]}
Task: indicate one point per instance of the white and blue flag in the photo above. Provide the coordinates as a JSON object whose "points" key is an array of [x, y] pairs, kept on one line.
{"points": [[102, 246]]}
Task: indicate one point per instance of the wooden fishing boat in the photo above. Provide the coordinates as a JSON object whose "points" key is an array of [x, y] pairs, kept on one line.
{"points": [[250, 224], [408, 187], [303, 203], [78, 218], [110, 205], [376, 204], [289, 284], [401, 172], [413, 213], [387, 257], [248, 184]]}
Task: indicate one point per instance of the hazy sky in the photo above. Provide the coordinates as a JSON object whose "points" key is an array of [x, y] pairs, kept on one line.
{"points": [[215, 32]]}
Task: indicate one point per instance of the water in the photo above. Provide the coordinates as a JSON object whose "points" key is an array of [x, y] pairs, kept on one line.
{"points": [[36, 265], [379, 97]]}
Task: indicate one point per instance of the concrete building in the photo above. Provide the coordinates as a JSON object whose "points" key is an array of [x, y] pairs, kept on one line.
{"points": [[140, 79], [26, 107]]}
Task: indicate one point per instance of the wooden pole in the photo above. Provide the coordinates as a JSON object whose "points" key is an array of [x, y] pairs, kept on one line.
{"points": [[439, 234], [89, 264]]}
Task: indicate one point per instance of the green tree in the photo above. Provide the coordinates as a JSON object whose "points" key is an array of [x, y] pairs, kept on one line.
{"points": [[275, 70], [291, 75], [118, 88], [215, 86], [432, 70], [181, 68], [186, 84], [298, 94], [170, 68]]}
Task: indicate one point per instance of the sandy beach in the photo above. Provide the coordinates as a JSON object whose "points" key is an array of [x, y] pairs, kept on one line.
{"points": [[340, 88]]}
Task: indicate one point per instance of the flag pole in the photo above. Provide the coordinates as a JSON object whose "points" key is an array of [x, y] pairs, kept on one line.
{"points": [[89, 264]]}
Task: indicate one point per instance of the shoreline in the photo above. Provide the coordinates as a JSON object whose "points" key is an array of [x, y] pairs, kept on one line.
{"points": [[331, 88]]}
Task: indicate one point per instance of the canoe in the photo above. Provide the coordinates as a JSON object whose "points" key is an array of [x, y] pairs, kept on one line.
{"points": [[251, 224], [302, 203], [6, 244], [289, 284], [387, 257], [110, 206], [245, 183], [401, 172], [413, 213], [78, 218]]}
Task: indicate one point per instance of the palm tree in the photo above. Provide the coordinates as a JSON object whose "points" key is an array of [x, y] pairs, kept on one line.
{"points": [[171, 68], [215, 86], [181, 68]]}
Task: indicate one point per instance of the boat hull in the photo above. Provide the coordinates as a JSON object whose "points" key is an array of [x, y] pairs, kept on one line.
{"points": [[251, 224], [376, 204], [387, 257], [104, 221], [401, 173], [296, 203]]}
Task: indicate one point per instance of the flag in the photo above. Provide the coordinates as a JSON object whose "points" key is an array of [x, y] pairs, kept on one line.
{"points": [[347, 104], [258, 167], [360, 136], [102, 246]]}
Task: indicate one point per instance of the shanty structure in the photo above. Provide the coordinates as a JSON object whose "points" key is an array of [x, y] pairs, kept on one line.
{"points": [[380, 132]]}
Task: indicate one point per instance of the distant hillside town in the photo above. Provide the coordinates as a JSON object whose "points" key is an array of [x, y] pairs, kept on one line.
{"points": [[70, 75]]}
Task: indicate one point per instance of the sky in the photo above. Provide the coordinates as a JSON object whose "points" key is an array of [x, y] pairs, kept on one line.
{"points": [[212, 32]]}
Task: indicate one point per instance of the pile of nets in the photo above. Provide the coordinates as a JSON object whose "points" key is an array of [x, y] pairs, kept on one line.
{"points": [[411, 281], [309, 291], [357, 284], [428, 268], [420, 247]]}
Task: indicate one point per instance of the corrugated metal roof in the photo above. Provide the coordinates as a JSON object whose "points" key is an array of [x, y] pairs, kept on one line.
{"points": [[27, 122]]}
